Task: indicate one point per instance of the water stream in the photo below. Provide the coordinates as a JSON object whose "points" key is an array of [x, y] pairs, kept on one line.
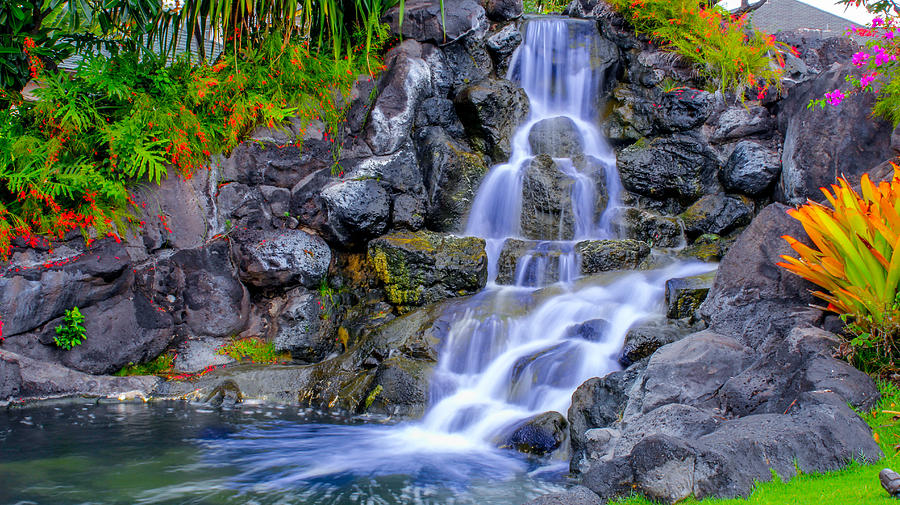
{"points": [[512, 352]]}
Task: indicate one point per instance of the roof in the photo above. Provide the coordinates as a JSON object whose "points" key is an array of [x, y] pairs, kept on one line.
{"points": [[782, 15]]}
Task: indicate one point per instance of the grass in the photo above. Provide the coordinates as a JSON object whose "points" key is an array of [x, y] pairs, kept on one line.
{"points": [[857, 484], [254, 350], [162, 365]]}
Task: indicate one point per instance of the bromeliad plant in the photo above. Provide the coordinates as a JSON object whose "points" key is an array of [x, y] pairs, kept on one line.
{"points": [[856, 260]]}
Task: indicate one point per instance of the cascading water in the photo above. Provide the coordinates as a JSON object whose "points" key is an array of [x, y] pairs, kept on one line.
{"points": [[510, 352]]}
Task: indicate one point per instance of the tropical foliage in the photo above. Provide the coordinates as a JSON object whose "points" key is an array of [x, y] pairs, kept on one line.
{"points": [[71, 332], [725, 54], [855, 258]]}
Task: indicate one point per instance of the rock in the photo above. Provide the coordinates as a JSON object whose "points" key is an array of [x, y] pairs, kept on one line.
{"points": [[398, 172], [643, 341], [282, 258], [503, 10], [741, 122], [539, 435], [684, 295], [227, 395], [195, 355], [717, 214], [678, 167], [890, 481], [502, 45], [357, 209], [466, 62], [645, 112], [33, 379], [409, 212], [422, 20], [593, 330], [646, 226], [452, 175], [528, 263], [33, 292], [423, 267], [680, 110], [257, 162], [606, 255], [403, 387], [403, 86], [751, 169], [491, 110], [298, 327], [547, 201], [690, 370], [708, 247], [751, 297], [577, 495], [819, 144], [436, 111], [557, 137]]}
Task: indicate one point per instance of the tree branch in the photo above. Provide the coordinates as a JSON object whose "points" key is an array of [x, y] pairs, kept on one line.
{"points": [[746, 7]]}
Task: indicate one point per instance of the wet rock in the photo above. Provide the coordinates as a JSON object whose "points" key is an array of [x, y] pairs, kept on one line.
{"points": [[708, 247], [227, 395], [399, 172], [357, 209], [30, 378], [422, 20], [678, 167], [751, 169], [403, 387], [436, 111], [406, 82], [264, 161], [742, 122], [643, 112], [467, 61], [452, 175], [547, 201], [606, 255], [751, 297], [491, 110], [643, 341], [577, 495], [539, 435], [502, 45], [503, 10], [195, 355], [409, 212], [646, 226], [593, 330], [423, 267], [539, 263], [819, 144], [717, 214], [684, 295], [282, 258], [557, 137], [680, 110], [299, 326]]}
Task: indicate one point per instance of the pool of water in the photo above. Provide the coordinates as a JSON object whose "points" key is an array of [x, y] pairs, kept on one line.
{"points": [[169, 452]]}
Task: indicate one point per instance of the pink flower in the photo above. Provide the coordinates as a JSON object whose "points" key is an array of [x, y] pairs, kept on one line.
{"points": [[867, 79], [835, 97], [876, 22], [889, 35], [860, 59]]}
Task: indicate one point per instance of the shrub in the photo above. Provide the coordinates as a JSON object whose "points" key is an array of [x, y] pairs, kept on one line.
{"points": [[71, 332], [724, 53], [856, 259]]}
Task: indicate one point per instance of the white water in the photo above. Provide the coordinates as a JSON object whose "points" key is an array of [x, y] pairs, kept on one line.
{"points": [[511, 353]]}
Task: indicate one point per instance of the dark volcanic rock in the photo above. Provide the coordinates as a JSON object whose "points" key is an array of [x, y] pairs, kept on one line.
{"points": [[557, 137], [357, 209], [423, 267], [502, 45], [656, 230], [684, 295], [539, 262], [503, 10], [605, 255], [539, 435], [547, 201], [195, 355], [741, 122], [592, 330], [718, 214], [643, 341], [422, 19], [299, 327], [282, 258], [577, 495], [491, 110], [751, 169]]}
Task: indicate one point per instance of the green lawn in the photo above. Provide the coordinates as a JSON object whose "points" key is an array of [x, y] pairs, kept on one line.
{"points": [[854, 485]]}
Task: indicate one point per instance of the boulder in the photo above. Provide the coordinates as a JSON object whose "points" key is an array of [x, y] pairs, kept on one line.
{"points": [[577, 495], [466, 62], [642, 112], [708, 247], [503, 10], [606, 255], [718, 214], [502, 45], [679, 167], [282, 258], [528, 262], [649, 227], [820, 145], [422, 20], [557, 137], [685, 294], [642, 341], [592, 330], [398, 172], [419, 268], [682, 109], [539, 435], [298, 323], [357, 209], [274, 162], [751, 169], [547, 212], [751, 297], [402, 385], [196, 355], [437, 111], [737, 123], [491, 110]]}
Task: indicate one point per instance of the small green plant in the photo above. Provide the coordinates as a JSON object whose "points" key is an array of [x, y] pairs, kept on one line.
{"points": [[545, 6], [255, 350], [162, 365], [71, 332], [669, 85], [371, 398]]}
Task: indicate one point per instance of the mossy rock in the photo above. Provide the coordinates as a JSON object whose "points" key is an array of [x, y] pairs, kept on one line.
{"points": [[607, 255], [685, 294]]}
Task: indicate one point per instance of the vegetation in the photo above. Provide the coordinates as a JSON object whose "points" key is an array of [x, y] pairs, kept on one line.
{"points": [[71, 332], [544, 6], [724, 53], [855, 258], [163, 365], [255, 350], [857, 483]]}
